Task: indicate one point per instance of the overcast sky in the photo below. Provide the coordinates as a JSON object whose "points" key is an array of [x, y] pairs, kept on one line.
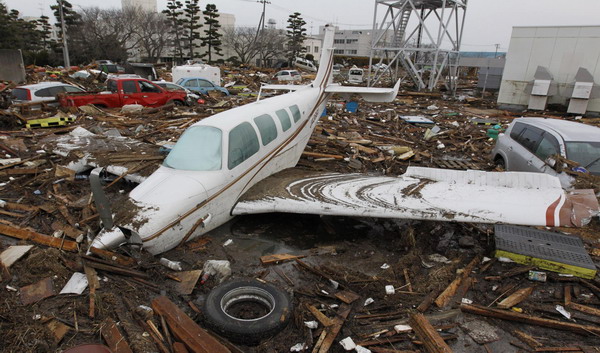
{"points": [[488, 21]]}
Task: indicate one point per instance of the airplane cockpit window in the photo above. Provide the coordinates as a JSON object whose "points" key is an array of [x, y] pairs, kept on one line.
{"points": [[267, 128], [295, 112], [243, 143], [198, 149]]}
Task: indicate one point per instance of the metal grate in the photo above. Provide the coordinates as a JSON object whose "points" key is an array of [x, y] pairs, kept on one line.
{"points": [[542, 244]]}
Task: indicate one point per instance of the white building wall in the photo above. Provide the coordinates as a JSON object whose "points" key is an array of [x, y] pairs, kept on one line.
{"points": [[562, 50], [352, 42], [314, 46]]}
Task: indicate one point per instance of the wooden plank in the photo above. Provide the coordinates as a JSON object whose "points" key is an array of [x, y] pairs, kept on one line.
{"points": [[532, 320], [269, 259], [444, 298], [94, 284], [567, 294], [322, 155], [529, 340], [179, 347], [427, 301], [584, 309], [35, 292], [334, 330], [188, 280], [431, 339], [515, 298], [25, 234], [113, 256], [113, 337], [324, 320], [185, 329]]}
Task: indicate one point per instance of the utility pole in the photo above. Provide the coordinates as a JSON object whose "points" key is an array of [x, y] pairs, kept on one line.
{"points": [[67, 62], [496, 53], [261, 23]]}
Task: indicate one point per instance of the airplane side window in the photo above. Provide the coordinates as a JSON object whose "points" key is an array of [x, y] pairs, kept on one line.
{"points": [[243, 143], [284, 118], [267, 128], [295, 112]]}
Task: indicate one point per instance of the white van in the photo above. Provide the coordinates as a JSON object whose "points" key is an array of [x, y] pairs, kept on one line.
{"points": [[207, 72], [305, 64], [355, 75]]}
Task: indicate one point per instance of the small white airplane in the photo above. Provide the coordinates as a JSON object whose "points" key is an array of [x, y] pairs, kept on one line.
{"points": [[205, 179]]}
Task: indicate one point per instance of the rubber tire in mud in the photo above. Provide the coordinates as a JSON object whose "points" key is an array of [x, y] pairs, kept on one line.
{"points": [[248, 332], [500, 163]]}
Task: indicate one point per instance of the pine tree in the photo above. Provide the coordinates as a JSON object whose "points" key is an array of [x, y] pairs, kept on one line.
{"points": [[174, 13], [72, 18], [296, 34], [212, 38], [46, 31], [192, 26]]}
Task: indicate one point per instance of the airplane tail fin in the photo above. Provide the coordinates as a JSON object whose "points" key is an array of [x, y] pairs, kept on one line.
{"points": [[325, 72]]}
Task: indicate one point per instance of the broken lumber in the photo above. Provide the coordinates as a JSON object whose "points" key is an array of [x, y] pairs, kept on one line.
{"points": [[324, 320], [515, 298], [25, 234], [113, 256], [94, 284], [113, 337], [444, 298], [106, 266], [185, 329], [322, 155], [333, 330], [584, 309], [427, 301], [433, 342], [529, 340], [275, 258], [532, 320]]}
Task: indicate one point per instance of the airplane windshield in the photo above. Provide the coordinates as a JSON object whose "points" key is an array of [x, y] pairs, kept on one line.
{"points": [[198, 149]]}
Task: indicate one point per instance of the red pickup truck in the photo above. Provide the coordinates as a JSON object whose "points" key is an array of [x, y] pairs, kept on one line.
{"points": [[123, 91]]}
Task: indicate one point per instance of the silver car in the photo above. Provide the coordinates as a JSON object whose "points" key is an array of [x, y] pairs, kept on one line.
{"points": [[529, 145]]}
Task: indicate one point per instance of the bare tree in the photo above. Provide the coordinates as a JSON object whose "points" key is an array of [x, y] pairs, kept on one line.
{"points": [[241, 40], [270, 45], [153, 33]]}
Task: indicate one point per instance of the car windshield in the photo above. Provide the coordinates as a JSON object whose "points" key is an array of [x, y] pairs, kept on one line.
{"points": [[587, 154], [198, 149]]}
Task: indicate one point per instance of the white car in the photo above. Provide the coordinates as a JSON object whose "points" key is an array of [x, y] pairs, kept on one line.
{"points": [[305, 64], [41, 92], [288, 75]]}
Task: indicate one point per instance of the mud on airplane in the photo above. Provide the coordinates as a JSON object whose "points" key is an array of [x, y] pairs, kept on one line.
{"points": [[226, 165]]}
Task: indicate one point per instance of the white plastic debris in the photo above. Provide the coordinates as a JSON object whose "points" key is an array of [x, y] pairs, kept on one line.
{"points": [[466, 301], [228, 242], [2, 203], [11, 288], [37, 317], [432, 107], [360, 349], [76, 285], [389, 289], [485, 259], [324, 292], [440, 146], [220, 268], [173, 265], [402, 328], [385, 266], [298, 347], [369, 301], [564, 312], [505, 259], [132, 108], [348, 344], [311, 324]]}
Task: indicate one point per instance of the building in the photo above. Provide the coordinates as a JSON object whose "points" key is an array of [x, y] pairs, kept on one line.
{"points": [[146, 5], [314, 46], [552, 65], [353, 42]]}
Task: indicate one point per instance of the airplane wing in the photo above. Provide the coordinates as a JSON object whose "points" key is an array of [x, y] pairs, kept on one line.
{"points": [[283, 87], [534, 199], [370, 94]]}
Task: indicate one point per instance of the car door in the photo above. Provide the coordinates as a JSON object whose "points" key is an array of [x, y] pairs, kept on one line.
{"points": [[521, 154], [545, 150], [130, 92], [206, 86], [152, 95]]}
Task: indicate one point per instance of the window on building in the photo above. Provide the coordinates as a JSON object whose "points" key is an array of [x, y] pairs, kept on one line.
{"points": [[267, 128], [284, 118], [308, 49], [243, 143], [338, 41], [316, 49], [338, 51], [352, 51], [295, 113], [350, 41]]}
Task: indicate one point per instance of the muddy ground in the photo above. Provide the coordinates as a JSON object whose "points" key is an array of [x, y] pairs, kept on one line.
{"points": [[418, 258]]}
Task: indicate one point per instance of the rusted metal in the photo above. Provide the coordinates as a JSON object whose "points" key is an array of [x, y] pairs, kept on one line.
{"points": [[37, 291]]}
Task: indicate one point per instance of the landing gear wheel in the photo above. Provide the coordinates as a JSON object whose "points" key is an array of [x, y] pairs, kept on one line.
{"points": [[247, 311]]}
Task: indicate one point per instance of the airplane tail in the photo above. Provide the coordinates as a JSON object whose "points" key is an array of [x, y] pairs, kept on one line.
{"points": [[324, 77]]}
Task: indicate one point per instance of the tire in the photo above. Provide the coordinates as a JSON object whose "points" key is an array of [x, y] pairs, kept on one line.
{"points": [[247, 311], [178, 103]]}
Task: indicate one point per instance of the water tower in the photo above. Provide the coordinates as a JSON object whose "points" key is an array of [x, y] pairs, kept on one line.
{"points": [[271, 23], [421, 36]]}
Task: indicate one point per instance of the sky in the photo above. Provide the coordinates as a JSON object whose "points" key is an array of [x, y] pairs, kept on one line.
{"points": [[487, 22]]}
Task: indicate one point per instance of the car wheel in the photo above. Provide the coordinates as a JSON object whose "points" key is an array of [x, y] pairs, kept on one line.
{"points": [[247, 311], [178, 102], [500, 163]]}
